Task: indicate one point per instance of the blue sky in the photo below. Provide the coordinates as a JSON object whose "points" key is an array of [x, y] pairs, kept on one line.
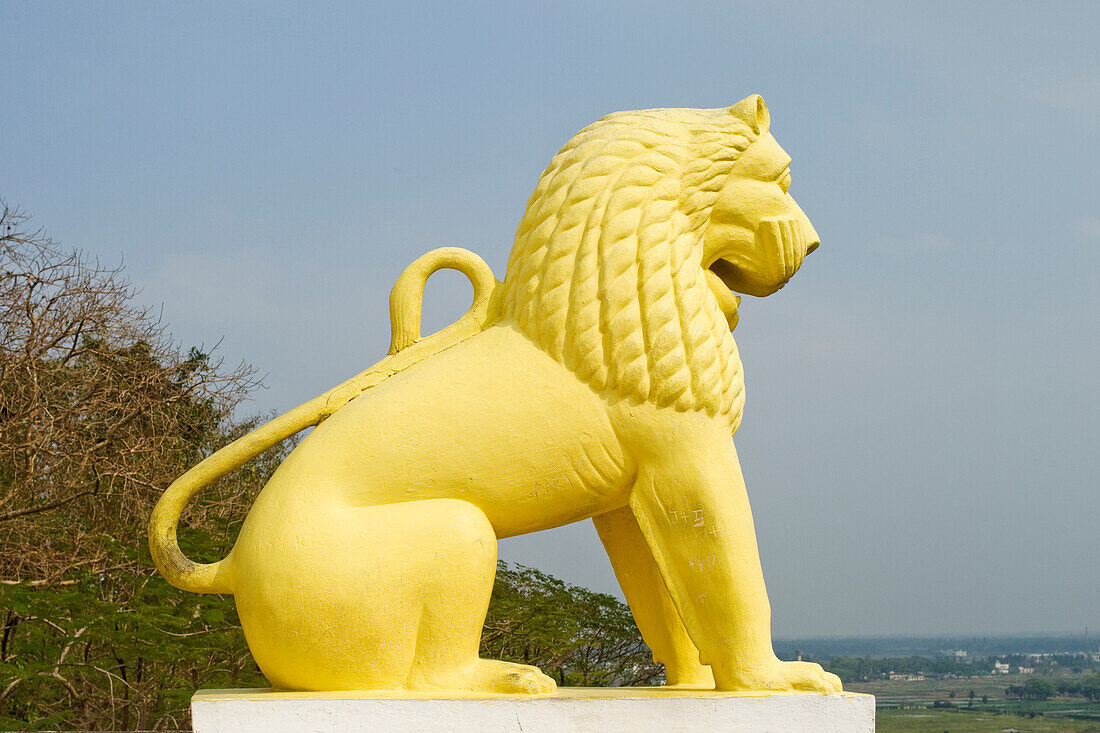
{"points": [[921, 428]]}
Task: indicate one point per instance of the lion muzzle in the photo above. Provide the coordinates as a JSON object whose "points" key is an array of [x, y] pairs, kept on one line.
{"points": [[784, 245]]}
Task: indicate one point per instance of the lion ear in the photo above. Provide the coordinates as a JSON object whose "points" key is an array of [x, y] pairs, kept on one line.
{"points": [[753, 112]]}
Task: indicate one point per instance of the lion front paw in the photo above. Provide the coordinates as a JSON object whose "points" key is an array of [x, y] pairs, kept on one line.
{"points": [[778, 676], [809, 677], [511, 679]]}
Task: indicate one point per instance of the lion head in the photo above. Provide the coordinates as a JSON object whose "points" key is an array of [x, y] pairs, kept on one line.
{"points": [[635, 236]]}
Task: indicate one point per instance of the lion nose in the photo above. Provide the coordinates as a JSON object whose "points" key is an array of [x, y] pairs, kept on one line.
{"points": [[814, 244]]}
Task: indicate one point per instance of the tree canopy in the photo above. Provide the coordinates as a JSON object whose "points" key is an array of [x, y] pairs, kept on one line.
{"points": [[578, 637]]}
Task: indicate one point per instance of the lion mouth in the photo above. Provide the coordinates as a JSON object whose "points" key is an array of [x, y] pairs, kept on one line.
{"points": [[781, 244], [722, 288]]}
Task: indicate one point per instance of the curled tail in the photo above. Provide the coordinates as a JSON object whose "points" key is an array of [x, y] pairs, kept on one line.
{"points": [[406, 348]]}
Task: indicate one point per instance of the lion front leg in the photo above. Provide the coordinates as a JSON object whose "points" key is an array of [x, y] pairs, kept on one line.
{"points": [[652, 606], [693, 510]]}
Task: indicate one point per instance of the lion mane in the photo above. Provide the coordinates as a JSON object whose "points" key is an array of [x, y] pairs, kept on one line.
{"points": [[606, 273]]}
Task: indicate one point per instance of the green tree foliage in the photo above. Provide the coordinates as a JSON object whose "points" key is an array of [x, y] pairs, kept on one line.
{"points": [[851, 669], [1035, 688], [1090, 687], [1067, 686], [576, 636]]}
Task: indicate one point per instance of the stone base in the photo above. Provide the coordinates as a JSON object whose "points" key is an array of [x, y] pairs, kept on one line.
{"points": [[620, 709]]}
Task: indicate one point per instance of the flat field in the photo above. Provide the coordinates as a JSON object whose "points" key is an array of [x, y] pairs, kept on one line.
{"points": [[926, 692], [939, 721], [906, 707]]}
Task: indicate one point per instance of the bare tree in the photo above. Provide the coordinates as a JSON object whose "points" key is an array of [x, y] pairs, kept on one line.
{"points": [[93, 392], [99, 411]]}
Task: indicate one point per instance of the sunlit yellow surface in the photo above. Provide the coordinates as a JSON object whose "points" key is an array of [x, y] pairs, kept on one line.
{"points": [[599, 380]]}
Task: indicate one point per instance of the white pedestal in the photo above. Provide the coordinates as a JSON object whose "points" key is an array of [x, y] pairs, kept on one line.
{"points": [[621, 710]]}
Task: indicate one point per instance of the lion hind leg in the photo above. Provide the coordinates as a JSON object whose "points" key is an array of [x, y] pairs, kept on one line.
{"points": [[380, 597], [455, 600]]}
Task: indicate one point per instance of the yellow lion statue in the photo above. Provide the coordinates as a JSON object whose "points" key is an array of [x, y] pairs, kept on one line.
{"points": [[599, 380]]}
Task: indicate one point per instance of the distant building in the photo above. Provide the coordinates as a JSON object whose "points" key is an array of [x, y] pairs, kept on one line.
{"points": [[1001, 668], [902, 677], [1026, 670]]}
